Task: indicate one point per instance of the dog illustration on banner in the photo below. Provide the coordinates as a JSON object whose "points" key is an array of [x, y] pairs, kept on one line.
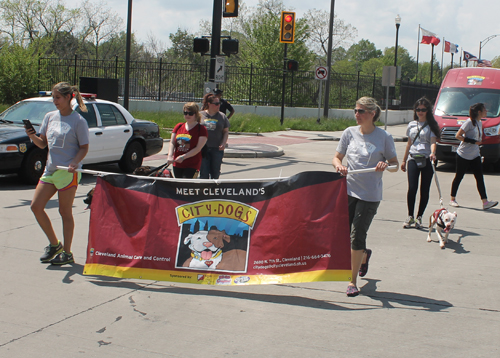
{"points": [[206, 252], [214, 235]]}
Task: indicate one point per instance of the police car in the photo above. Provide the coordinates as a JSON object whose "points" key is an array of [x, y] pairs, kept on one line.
{"points": [[114, 135]]}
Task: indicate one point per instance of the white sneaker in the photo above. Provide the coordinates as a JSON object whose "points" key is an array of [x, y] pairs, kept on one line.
{"points": [[454, 203], [409, 222], [418, 222], [489, 204]]}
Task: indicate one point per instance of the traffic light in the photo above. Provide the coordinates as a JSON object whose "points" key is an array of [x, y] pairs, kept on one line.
{"points": [[292, 65], [230, 8], [230, 46], [201, 45], [287, 28]]}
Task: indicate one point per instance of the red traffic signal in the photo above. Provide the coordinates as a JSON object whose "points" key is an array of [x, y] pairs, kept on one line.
{"points": [[292, 65], [287, 27]]}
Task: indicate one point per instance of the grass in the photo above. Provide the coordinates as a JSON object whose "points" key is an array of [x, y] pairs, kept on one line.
{"points": [[251, 123]]}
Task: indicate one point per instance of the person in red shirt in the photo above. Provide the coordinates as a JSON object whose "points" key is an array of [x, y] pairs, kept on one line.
{"points": [[186, 142]]}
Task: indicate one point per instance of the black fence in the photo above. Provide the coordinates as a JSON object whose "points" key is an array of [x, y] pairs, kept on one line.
{"points": [[250, 85]]}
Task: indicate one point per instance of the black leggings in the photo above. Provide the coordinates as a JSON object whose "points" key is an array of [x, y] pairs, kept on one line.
{"points": [[425, 175], [186, 173], [477, 169]]}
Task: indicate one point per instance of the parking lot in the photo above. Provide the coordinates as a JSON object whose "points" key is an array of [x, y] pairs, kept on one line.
{"points": [[416, 301]]}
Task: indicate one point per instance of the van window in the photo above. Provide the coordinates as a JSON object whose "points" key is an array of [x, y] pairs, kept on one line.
{"points": [[457, 101]]}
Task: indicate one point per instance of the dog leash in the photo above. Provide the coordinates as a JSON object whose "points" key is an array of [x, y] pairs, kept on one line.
{"points": [[437, 184]]}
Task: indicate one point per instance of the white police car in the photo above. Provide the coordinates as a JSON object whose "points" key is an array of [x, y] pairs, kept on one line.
{"points": [[115, 136]]}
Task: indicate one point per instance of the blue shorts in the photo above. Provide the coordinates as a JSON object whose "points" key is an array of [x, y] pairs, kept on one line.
{"points": [[62, 179]]}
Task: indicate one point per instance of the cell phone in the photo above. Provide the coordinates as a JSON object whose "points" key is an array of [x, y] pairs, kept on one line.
{"points": [[28, 124]]}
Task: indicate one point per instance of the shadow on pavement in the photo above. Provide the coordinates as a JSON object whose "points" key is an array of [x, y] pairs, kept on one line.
{"points": [[388, 299]]}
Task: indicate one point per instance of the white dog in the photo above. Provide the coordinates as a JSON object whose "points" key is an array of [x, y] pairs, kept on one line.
{"points": [[444, 221], [204, 254]]}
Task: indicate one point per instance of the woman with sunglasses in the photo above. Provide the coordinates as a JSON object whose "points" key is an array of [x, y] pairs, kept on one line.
{"points": [[470, 136], [186, 142], [420, 151], [217, 125], [365, 146]]}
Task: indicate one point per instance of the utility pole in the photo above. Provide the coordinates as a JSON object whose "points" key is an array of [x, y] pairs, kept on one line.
{"points": [[215, 45], [329, 61]]}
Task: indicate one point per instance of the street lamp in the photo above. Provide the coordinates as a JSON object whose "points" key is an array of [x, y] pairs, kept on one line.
{"points": [[484, 42], [398, 23]]}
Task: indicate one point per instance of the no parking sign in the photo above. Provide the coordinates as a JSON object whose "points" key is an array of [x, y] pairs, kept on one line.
{"points": [[321, 73]]}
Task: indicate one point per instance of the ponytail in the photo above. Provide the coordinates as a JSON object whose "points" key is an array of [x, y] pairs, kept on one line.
{"points": [[66, 89]]}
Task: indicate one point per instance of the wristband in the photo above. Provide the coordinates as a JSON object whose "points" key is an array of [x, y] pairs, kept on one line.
{"points": [[469, 140]]}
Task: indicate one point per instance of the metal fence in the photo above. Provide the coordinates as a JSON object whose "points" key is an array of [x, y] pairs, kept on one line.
{"points": [[251, 85]]}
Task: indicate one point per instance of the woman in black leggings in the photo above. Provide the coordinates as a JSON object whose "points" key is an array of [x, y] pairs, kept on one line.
{"points": [[470, 136], [420, 151]]}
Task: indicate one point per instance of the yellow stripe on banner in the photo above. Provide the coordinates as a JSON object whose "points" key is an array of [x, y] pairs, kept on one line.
{"points": [[211, 278]]}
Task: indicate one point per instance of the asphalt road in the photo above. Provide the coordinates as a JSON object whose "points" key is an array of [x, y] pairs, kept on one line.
{"points": [[416, 301]]}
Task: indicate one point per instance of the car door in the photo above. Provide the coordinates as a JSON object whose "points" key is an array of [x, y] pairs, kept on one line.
{"points": [[96, 141], [114, 131]]}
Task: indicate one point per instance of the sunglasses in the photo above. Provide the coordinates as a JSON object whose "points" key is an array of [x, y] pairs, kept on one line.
{"points": [[420, 109], [360, 111], [189, 113], [216, 103]]}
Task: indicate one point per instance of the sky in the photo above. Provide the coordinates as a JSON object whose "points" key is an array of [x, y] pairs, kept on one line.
{"points": [[465, 23]]}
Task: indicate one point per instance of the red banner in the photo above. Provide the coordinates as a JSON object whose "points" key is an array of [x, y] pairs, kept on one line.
{"points": [[231, 232]]}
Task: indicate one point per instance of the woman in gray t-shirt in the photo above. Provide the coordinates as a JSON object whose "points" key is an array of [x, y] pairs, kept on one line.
{"points": [[470, 135]]}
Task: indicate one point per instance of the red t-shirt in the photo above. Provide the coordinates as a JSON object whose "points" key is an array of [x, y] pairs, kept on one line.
{"points": [[185, 141]]}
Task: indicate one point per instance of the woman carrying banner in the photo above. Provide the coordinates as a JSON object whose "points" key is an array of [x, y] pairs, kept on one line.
{"points": [[470, 136], [217, 125], [66, 133], [420, 151], [186, 142], [365, 146]]}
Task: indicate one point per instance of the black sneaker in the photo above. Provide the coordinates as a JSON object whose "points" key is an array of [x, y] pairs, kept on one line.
{"points": [[62, 259], [51, 252]]}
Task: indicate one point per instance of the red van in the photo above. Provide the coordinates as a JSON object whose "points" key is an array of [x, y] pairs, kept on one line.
{"points": [[461, 88]]}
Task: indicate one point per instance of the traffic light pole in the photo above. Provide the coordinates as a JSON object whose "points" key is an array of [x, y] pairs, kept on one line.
{"points": [[215, 46], [283, 88]]}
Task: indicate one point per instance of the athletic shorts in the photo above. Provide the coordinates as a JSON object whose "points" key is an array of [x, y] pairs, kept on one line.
{"points": [[62, 179]]}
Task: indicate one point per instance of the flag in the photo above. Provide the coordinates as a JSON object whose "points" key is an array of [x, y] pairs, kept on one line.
{"points": [[429, 38], [483, 63], [469, 57], [265, 231], [449, 47]]}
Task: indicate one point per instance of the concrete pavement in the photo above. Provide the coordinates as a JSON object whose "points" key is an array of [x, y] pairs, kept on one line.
{"points": [[416, 301]]}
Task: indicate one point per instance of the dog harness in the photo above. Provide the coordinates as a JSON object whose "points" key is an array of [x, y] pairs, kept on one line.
{"points": [[438, 216]]}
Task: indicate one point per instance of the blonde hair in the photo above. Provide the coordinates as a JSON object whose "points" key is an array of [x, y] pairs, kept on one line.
{"points": [[65, 89], [371, 105], [193, 107]]}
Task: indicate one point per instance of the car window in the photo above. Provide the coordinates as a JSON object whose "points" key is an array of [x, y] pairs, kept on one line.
{"points": [[89, 115], [110, 115], [32, 110]]}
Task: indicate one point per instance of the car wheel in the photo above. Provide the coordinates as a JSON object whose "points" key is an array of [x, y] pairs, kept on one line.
{"points": [[33, 166], [132, 157]]}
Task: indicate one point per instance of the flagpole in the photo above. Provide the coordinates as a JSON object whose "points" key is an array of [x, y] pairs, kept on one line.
{"points": [[442, 55], [452, 60], [418, 50], [432, 60]]}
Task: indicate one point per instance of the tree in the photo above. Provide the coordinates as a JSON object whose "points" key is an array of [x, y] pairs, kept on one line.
{"points": [[407, 62], [319, 25], [182, 48], [496, 62], [100, 23], [362, 51]]}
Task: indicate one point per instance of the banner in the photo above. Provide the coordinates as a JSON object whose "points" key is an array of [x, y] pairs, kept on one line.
{"points": [[224, 232]]}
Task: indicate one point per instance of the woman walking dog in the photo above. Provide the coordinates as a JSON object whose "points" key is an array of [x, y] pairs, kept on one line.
{"points": [[420, 151], [66, 133]]}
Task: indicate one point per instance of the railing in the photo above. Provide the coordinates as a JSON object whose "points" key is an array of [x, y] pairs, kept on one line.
{"points": [[163, 81]]}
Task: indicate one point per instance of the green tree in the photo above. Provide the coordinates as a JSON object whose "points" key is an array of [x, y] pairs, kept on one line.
{"points": [[496, 62], [407, 62], [362, 51]]}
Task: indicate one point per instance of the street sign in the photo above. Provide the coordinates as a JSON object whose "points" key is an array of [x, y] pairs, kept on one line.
{"points": [[209, 87], [389, 76], [220, 69], [321, 73]]}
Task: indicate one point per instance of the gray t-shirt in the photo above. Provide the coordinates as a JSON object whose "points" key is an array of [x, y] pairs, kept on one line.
{"points": [[215, 126], [65, 135], [365, 151], [470, 151], [421, 145]]}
